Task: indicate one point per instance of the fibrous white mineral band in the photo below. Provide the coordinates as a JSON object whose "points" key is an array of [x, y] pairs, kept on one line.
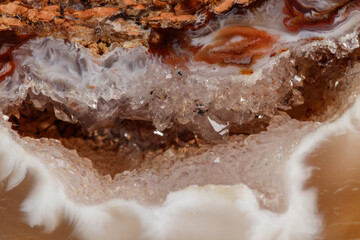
{"points": [[193, 213], [257, 184]]}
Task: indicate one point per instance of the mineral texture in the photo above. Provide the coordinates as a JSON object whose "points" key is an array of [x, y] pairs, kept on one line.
{"points": [[180, 119]]}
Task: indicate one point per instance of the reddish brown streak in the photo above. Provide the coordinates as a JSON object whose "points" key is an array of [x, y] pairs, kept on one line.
{"points": [[162, 44], [14, 41], [6, 58], [298, 16], [225, 49]]}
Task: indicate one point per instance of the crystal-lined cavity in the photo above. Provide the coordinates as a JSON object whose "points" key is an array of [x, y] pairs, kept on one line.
{"points": [[182, 124]]}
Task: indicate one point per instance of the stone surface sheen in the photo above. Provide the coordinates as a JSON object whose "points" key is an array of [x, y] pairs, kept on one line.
{"points": [[140, 117]]}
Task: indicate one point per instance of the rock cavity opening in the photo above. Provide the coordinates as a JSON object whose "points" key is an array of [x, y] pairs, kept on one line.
{"points": [[123, 146], [326, 85], [145, 164]]}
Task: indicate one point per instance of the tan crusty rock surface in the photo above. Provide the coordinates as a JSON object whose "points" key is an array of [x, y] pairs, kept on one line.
{"points": [[98, 23]]}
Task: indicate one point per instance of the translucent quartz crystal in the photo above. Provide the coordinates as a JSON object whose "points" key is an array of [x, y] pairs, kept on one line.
{"points": [[232, 133], [130, 84], [173, 170]]}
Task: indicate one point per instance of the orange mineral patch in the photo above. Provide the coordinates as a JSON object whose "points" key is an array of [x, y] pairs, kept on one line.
{"points": [[8, 42], [237, 45], [233, 45], [306, 15]]}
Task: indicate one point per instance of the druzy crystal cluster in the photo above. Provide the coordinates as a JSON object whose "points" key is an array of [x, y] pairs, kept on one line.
{"points": [[180, 119]]}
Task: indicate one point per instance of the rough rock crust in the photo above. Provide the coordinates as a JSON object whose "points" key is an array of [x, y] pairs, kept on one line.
{"points": [[97, 23]]}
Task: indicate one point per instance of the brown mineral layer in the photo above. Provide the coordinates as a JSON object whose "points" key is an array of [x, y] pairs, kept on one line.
{"points": [[98, 23]]}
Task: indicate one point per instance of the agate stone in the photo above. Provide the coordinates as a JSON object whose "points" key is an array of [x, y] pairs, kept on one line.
{"points": [[166, 120]]}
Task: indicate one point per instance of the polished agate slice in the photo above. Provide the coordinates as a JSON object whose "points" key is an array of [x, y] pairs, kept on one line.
{"points": [[243, 127]]}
